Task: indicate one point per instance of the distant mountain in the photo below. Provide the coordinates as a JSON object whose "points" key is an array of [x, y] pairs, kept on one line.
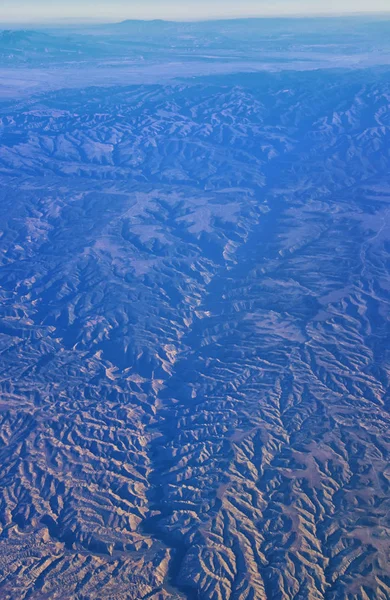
{"points": [[16, 38]]}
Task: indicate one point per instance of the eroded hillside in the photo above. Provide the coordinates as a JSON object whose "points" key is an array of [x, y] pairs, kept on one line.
{"points": [[194, 340]]}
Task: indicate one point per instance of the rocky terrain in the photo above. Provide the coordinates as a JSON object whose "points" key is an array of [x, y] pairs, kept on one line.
{"points": [[194, 339]]}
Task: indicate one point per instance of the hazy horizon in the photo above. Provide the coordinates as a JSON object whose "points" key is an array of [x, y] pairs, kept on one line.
{"points": [[43, 11]]}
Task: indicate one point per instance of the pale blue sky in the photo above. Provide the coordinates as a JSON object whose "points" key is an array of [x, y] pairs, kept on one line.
{"points": [[102, 10]]}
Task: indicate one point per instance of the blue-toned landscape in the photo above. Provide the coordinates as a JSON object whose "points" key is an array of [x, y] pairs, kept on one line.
{"points": [[195, 305]]}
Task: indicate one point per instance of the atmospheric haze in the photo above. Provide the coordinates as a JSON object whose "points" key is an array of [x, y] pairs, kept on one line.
{"points": [[22, 11]]}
